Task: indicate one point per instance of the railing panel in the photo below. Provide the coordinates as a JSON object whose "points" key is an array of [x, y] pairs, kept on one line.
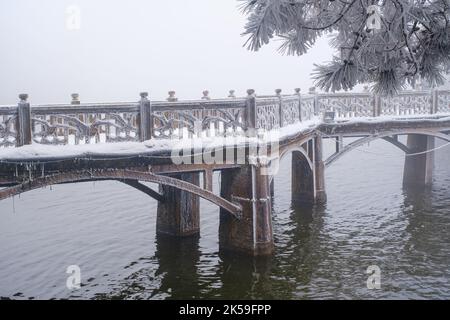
{"points": [[407, 103], [115, 122], [84, 124], [443, 101], [307, 108], [8, 126], [290, 110], [176, 120], [347, 105], [268, 113]]}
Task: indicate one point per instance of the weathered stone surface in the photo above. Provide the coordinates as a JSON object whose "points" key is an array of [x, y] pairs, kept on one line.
{"points": [[253, 233]]}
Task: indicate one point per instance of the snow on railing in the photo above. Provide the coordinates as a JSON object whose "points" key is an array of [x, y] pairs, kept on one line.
{"points": [[78, 123]]}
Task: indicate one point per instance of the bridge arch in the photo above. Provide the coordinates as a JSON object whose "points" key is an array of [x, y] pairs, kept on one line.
{"points": [[387, 136], [299, 149], [126, 176], [303, 171]]}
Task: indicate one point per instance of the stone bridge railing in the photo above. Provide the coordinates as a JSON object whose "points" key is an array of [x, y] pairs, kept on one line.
{"points": [[77, 123]]}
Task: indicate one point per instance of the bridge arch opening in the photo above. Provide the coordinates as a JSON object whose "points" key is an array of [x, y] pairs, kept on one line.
{"points": [[386, 136], [130, 178], [300, 159]]}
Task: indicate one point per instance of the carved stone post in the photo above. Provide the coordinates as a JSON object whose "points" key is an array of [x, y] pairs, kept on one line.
{"points": [[434, 101], [280, 110], [145, 118], [213, 113], [250, 112], [418, 170], [252, 234], [172, 97], [206, 95], [319, 167], [24, 134], [75, 99], [376, 105], [179, 214], [312, 91], [298, 93]]}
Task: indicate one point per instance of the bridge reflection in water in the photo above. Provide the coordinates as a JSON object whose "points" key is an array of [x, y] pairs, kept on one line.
{"points": [[302, 121]]}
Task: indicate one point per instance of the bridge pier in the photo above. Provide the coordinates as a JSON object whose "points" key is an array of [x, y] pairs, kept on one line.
{"points": [[252, 234], [308, 184], [319, 168], [418, 171], [302, 179], [179, 214]]}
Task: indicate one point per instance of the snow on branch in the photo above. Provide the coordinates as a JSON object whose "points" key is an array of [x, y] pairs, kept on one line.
{"points": [[390, 43]]}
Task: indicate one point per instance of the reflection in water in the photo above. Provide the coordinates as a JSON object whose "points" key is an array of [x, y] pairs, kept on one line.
{"points": [[321, 252], [177, 261], [244, 277]]}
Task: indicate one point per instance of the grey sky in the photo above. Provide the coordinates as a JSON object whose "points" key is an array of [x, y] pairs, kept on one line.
{"points": [[128, 46]]}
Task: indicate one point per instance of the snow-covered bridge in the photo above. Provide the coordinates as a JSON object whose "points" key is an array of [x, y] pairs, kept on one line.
{"points": [[176, 144]]}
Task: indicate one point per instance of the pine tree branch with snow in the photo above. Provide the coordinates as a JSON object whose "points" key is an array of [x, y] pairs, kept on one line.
{"points": [[390, 43]]}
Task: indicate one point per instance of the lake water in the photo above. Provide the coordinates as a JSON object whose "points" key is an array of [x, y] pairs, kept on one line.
{"points": [[108, 230]]}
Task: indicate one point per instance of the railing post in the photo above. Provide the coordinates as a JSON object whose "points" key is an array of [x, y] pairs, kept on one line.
{"points": [[312, 91], [145, 118], [298, 93], [376, 105], [75, 99], [207, 113], [250, 112], [75, 102], [172, 97], [434, 101], [24, 132], [206, 95], [280, 106], [231, 94]]}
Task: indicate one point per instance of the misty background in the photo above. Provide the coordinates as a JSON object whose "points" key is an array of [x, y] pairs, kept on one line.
{"points": [[124, 47]]}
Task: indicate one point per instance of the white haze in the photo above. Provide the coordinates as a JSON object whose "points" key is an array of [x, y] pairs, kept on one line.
{"points": [[124, 47]]}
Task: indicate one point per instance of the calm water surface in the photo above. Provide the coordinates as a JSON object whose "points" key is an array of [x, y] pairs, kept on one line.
{"points": [[108, 230]]}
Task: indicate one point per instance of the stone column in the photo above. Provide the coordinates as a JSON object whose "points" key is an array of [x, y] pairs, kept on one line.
{"points": [[252, 234], [23, 122], [418, 170], [302, 179], [319, 167], [179, 214]]}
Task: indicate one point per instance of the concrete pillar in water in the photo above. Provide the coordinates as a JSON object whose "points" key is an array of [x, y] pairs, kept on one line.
{"points": [[418, 170], [319, 167], [272, 187], [179, 214], [252, 234], [302, 179]]}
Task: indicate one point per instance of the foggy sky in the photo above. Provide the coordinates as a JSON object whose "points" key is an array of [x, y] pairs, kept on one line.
{"points": [[127, 46]]}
